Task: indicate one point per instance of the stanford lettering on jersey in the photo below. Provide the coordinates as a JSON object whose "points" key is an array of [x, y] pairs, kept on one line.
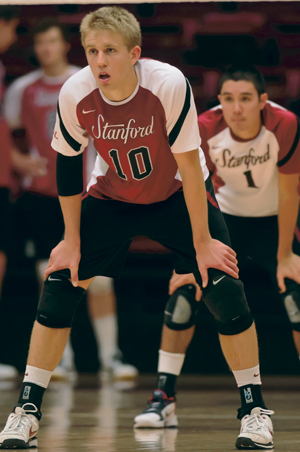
{"points": [[120, 131], [248, 160], [45, 98]]}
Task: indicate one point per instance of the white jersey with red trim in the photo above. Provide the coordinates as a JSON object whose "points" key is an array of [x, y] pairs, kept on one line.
{"points": [[31, 103], [246, 172], [135, 138]]}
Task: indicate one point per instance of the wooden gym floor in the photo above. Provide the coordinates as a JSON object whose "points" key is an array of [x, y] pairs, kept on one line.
{"points": [[102, 420]]}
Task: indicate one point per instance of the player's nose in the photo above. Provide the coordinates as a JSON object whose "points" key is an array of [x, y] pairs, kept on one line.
{"points": [[237, 107], [101, 60]]}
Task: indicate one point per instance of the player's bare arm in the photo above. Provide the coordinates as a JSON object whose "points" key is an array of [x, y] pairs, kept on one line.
{"points": [[67, 253], [288, 262], [209, 252]]}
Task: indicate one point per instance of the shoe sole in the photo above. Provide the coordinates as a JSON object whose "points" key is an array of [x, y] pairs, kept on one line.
{"points": [[248, 444], [170, 422], [18, 444]]}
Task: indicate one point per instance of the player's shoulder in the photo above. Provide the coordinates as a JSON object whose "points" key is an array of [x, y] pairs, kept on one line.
{"points": [[154, 72], [21, 83], [212, 120], [79, 85], [275, 115]]}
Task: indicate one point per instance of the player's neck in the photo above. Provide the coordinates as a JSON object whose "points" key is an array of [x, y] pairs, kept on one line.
{"points": [[246, 135], [57, 69], [122, 92]]}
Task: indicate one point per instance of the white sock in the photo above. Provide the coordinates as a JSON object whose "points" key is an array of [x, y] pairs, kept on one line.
{"points": [[106, 332], [170, 363], [38, 376], [247, 376]]}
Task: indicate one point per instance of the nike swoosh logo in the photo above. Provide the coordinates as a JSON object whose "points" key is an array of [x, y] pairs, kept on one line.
{"points": [[256, 375], [218, 280], [53, 279], [88, 111], [32, 432]]}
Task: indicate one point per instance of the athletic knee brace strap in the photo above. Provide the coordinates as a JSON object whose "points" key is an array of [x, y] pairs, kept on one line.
{"points": [[58, 302], [291, 302], [181, 308], [226, 300]]}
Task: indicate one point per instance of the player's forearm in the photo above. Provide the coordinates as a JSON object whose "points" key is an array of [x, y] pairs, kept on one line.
{"points": [[71, 209], [287, 218], [195, 195]]}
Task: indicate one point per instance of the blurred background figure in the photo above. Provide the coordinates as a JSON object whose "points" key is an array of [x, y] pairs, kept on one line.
{"points": [[10, 157]]}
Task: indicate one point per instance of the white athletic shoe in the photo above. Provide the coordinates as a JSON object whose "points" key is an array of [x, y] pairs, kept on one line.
{"points": [[256, 430], [120, 370], [159, 413], [21, 428]]}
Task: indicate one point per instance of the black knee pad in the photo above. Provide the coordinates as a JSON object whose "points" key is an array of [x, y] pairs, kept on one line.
{"points": [[291, 301], [226, 300], [58, 302], [181, 308]]}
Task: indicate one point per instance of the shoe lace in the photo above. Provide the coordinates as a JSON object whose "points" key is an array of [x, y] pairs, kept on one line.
{"points": [[20, 420], [256, 419]]}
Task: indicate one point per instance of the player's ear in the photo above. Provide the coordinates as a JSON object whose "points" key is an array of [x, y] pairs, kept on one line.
{"points": [[135, 54], [263, 99], [219, 98]]}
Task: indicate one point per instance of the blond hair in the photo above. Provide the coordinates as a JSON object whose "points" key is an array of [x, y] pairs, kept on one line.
{"points": [[116, 20]]}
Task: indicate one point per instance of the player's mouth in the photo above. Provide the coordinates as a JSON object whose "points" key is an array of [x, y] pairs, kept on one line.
{"points": [[104, 77]]}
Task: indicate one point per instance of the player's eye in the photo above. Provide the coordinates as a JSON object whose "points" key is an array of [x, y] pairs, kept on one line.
{"points": [[110, 50]]}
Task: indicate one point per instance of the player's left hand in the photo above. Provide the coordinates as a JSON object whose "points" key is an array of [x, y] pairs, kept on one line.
{"points": [[181, 280], [288, 267], [215, 254]]}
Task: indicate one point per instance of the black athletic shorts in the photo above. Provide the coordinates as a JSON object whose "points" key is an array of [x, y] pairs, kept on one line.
{"points": [[256, 238], [5, 222], [108, 227], [40, 221]]}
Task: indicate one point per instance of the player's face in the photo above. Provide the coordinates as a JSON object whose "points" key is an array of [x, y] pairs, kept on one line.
{"points": [[7, 33], [50, 47], [112, 64], [242, 107]]}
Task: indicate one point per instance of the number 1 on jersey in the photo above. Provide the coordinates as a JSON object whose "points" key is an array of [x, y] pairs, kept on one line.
{"points": [[250, 179]]}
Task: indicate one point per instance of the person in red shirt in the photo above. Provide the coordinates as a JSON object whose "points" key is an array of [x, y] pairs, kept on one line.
{"points": [[149, 179], [10, 157]]}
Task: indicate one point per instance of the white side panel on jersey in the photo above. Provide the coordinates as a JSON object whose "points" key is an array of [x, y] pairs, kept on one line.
{"points": [[100, 169], [13, 98], [91, 155], [73, 91]]}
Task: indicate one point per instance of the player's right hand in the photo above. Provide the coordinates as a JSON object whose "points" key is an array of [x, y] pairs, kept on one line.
{"points": [[64, 255]]}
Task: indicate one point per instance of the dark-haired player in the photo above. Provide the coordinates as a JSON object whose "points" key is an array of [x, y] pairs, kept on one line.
{"points": [[252, 149]]}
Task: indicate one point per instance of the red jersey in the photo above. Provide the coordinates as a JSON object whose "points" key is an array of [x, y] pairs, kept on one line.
{"points": [[245, 172], [135, 138], [31, 103], [6, 143]]}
